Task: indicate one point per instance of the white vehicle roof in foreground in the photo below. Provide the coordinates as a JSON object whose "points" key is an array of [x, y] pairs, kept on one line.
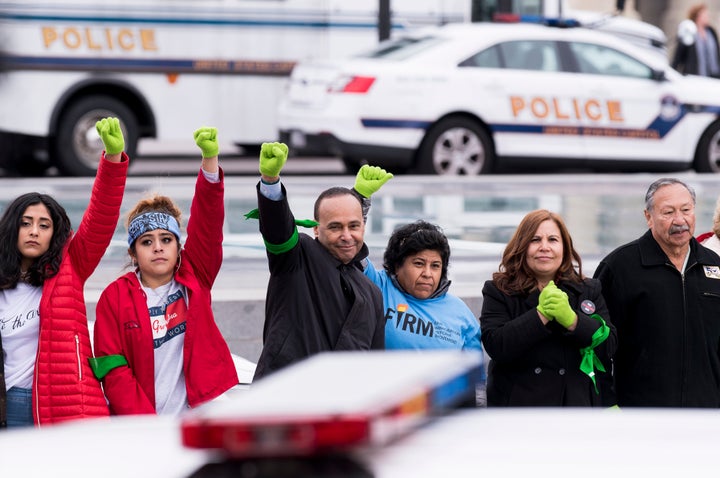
{"points": [[494, 442], [558, 442]]}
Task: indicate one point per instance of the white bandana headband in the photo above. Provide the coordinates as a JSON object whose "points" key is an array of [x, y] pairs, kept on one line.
{"points": [[150, 221]]}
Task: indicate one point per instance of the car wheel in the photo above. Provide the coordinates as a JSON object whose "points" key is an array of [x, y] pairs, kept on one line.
{"points": [[77, 146], [456, 146], [707, 159]]}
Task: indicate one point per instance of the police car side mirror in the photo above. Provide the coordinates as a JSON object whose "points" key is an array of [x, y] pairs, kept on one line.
{"points": [[658, 75]]}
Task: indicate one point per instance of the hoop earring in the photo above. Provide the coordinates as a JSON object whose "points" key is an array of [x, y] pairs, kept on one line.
{"points": [[177, 265]]}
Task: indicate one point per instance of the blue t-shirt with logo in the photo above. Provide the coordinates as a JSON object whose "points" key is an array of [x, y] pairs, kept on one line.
{"points": [[443, 322]]}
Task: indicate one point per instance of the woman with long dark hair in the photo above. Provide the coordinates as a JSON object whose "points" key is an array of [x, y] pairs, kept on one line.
{"points": [[45, 375]]}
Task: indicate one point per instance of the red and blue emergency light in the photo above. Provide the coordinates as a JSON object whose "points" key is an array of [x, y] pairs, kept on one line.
{"points": [[336, 401]]}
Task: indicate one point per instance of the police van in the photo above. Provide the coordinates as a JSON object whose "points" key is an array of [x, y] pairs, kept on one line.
{"points": [[166, 67]]}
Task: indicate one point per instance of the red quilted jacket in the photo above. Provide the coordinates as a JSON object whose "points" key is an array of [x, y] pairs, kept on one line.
{"points": [[64, 386]]}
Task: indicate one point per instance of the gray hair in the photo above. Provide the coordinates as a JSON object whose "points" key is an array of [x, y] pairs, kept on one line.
{"points": [[650, 194]]}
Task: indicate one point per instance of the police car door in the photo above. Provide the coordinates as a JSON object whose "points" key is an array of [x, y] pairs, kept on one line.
{"points": [[522, 94], [627, 111]]}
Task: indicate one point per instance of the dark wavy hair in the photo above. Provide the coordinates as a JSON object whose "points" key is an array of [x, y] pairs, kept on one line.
{"points": [[413, 238], [514, 275], [43, 267]]}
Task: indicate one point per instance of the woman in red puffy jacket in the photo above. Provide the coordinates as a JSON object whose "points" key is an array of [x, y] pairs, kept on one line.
{"points": [[46, 377]]}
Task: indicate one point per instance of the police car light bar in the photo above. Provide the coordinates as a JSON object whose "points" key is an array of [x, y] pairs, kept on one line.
{"points": [[551, 22], [334, 402]]}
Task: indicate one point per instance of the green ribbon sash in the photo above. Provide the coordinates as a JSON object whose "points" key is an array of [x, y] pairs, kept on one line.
{"points": [[590, 361]]}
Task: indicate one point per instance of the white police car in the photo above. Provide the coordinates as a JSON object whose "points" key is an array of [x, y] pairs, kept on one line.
{"points": [[480, 98]]}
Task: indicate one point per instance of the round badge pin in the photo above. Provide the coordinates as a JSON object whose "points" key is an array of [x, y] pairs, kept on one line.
{"points": [[587, 306]]}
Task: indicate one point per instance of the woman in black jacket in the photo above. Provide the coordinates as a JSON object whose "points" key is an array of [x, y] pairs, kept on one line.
{"points": [[546, 327]]}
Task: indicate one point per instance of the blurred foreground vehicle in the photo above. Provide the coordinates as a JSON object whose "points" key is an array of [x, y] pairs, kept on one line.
{"points": [[375, 414], [481, 98]]}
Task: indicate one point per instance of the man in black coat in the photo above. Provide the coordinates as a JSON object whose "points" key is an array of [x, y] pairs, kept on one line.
{"points": [[318, 297], [663, 293]]}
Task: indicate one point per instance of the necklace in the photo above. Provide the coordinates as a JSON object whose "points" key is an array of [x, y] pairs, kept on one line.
{"points": [[161, 293]]}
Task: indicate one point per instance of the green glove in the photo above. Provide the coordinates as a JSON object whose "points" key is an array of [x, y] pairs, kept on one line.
{"points": [[111, 135], [558, 306], [206, 139], [370, 179], [543, 300], [272, 158]]}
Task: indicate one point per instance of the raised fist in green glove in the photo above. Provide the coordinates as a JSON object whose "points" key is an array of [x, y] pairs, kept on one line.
{"points": [[206, 139], [111, 135], [272, 158], [370, 179]]}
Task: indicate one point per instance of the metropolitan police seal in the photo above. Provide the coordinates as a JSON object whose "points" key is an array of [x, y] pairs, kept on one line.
{"points": [[587, 306], [670, 108]]}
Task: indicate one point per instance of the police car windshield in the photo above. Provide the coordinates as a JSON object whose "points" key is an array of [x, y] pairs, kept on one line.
{"points": [[401, 48]]}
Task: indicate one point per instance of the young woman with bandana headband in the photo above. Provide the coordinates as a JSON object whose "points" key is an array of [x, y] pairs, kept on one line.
{"points": [[46, 376], [158, 349]]}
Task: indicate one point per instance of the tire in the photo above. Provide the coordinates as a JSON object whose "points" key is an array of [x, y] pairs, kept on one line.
{"points": [[77, 146], [456, 146], [28, 166], [707, 158], [20, 156]]}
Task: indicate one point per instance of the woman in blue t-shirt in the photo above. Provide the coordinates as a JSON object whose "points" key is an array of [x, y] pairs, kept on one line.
{"points": [[420, 313]]}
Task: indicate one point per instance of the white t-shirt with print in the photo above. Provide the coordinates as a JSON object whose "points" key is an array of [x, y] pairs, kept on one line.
{"points": [[167, 307], [20, 329]]}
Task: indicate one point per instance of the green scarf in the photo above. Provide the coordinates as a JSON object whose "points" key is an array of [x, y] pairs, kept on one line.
{"points": [[290, 243], [255, 214]]}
